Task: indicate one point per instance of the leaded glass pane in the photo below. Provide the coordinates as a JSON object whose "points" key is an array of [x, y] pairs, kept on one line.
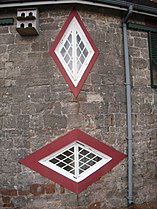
{"points": [[76, 161], [74, 52], [66, 52]]}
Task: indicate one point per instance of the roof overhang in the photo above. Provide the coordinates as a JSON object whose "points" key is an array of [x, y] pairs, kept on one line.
{"points": [[118, 4]]}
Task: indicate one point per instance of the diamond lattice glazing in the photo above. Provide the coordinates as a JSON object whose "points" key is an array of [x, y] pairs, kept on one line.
{"points": [[74, 160], [74, 52]]}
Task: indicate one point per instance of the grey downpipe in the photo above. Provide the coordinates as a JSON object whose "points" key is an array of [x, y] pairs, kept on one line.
{"points": [[129, 111]]}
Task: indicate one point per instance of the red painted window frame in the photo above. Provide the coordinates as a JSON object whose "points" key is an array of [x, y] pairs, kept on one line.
{"points": [[31, 160], [74, 89]]}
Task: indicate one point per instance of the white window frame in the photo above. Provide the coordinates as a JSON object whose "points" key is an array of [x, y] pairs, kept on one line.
{"points": [[77, 177], [74, 27]]}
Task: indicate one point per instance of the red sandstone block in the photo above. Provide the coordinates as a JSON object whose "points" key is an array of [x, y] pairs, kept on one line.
{"points": [[24, 193], [37, 189], [95, 205], [5, 199], [9, 205], [62, 189], [9, 192], [50, 188]]}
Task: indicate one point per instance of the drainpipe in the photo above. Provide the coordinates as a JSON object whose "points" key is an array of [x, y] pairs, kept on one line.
{"points": [[129, 112]]}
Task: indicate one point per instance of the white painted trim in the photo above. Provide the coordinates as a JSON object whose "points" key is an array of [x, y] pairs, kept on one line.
{"points": [[11, 5], [41, 3], [73, 73], [77, 177]]}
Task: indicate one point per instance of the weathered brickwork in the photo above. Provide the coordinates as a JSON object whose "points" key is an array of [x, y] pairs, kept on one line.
{"points": [[37, 106]]}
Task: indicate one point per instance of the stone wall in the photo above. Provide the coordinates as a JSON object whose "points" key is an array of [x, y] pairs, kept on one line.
{"points": [[37, 106], [144, 119]]}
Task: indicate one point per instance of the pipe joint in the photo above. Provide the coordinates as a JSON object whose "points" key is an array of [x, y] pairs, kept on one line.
{"points": [[130, 139], [130, 11]]}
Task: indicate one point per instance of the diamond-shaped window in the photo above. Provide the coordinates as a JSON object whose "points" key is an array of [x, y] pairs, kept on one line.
{"points": [[74, 52], [74, 160]]}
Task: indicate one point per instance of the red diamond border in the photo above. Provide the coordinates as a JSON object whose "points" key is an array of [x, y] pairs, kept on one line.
{"points": [[31, 160], [74, 89]]}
